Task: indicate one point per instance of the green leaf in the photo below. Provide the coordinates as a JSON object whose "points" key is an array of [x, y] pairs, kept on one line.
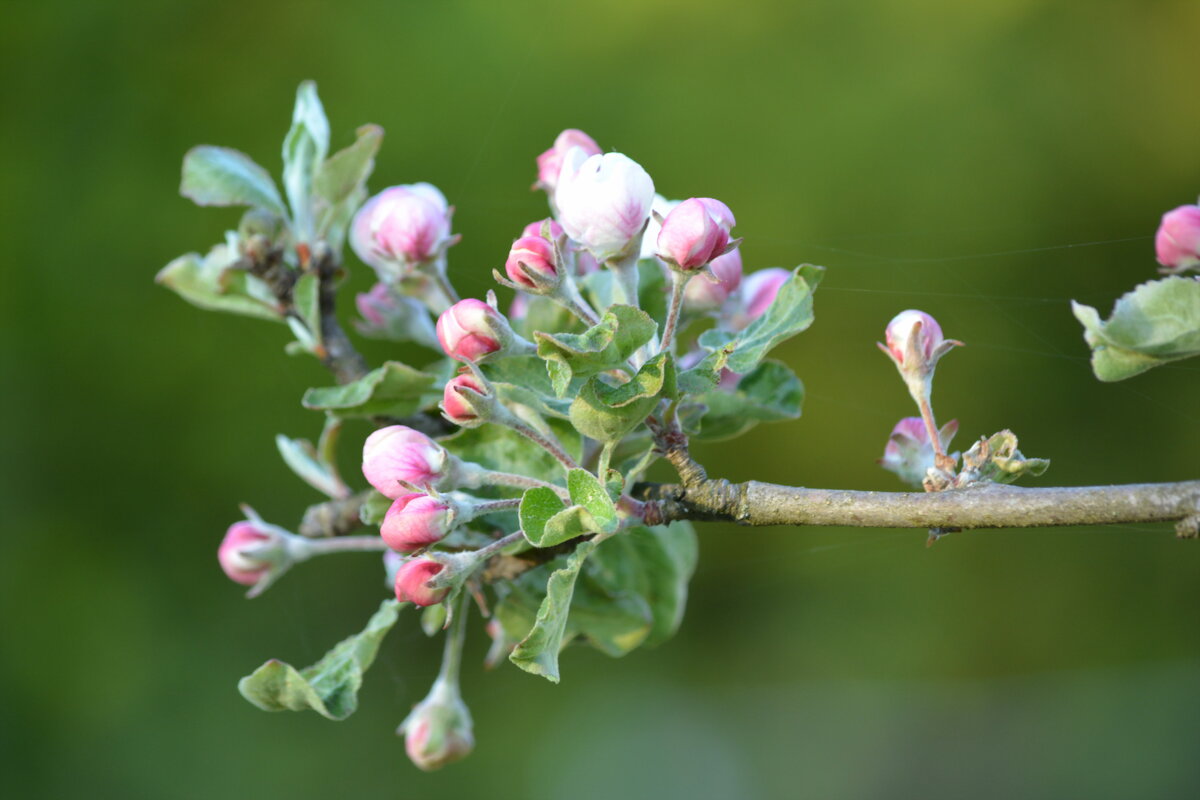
{"points": [[537, 653], [606, 412], [587, 491], [654, 564], [214, 283], [1156, 323], [221, 176], [790, 314], [606, 345], [394, 389], [340, 185], [306, 300], [304, 149], [329, 687], [770, 393], [538, 506], [1005, 463], [374, 508], [433, 619], [302, 458]]}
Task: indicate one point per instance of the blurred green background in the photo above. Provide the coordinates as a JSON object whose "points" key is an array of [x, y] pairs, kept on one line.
{"points": [[983, 161]]}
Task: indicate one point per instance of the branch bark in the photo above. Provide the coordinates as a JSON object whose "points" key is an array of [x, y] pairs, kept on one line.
{"points": [[989, 506]]}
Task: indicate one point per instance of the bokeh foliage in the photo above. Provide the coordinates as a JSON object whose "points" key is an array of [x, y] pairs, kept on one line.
{"points": [[933, 154]]}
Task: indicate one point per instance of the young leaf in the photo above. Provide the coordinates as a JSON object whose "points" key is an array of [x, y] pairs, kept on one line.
{"points": [[394, 389], [213, 283], [538, 506], [788, 315], [587, 491], [329, 687], [306, 299], [770, 393], [1156, 323], [340, 185], [302, 458], [304, 149], [537, 653], [606, 345], [374, 508], [606, 413], [222, 176]]}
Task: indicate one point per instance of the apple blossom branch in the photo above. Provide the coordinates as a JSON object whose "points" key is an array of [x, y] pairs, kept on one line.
{"points": [[985, 506]]}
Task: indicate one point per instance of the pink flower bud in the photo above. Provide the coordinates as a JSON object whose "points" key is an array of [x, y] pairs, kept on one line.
{"points": [[411, 580], [439, 729], [519, 307], [604, 202], [550, 162], [535, 229], [760, 288], [695, 232], [703, 294], [538, 256], [400, 227], [416, 520], [398, 453], [456, 408], [901, 335], [375, 305], [909, 453], [1177, 242], [467, 330], [245, 552]]}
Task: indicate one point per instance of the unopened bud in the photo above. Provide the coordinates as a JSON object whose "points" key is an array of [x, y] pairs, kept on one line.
{"points": [[546, 228], [604, 202], [1177, 242], [397, 454], [415, 521], [465, 400], [550, 163], [439, 729], [695, 232], [401, 227], [710, 290], [533, 263], [909, 452], [471, 330], [249, 551], [412, 581]]}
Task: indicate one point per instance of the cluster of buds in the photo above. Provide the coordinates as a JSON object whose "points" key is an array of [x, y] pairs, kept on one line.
{"points": [[1177, 243]]}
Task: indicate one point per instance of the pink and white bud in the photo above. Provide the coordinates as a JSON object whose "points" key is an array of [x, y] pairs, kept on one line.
{"points": [[412, 581], [760, 289], [695, 232], [604, 202], [1177, 242], [467, 330], [439, 729], [912, 333], [557, 234], [401, 227], [376, 305], [519, 307], [550, 163], [249, 551], [533, 263], [705, 293], [416, 520], [459, 403], [909, 452], [399, 453]]}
